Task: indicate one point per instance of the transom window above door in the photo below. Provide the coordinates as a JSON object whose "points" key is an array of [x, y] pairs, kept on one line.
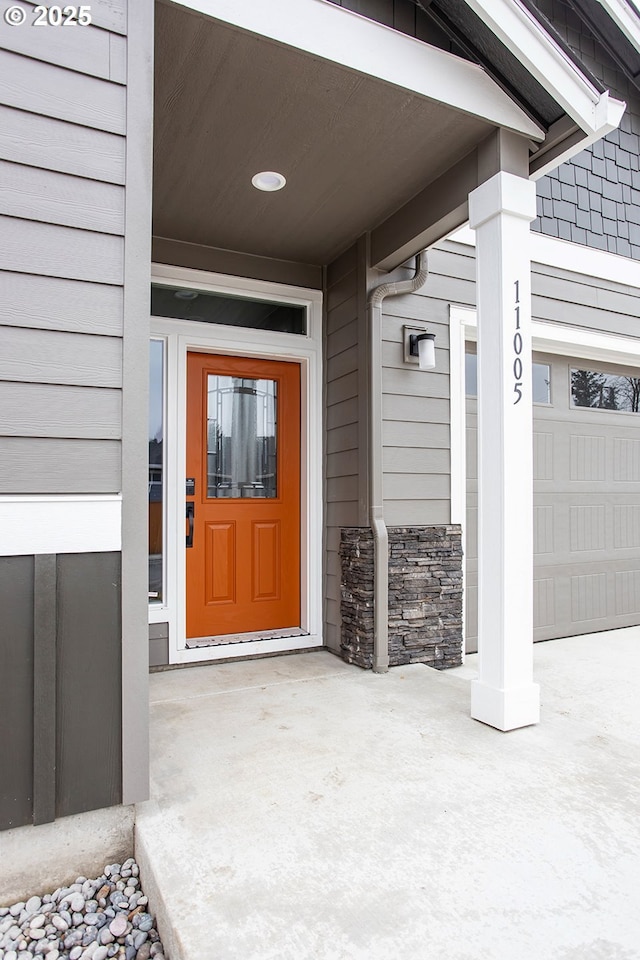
{"points": [[185, 303]]}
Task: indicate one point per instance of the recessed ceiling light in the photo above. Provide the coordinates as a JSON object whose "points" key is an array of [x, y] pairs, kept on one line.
{"points": [[268, 180], [186, 294]]}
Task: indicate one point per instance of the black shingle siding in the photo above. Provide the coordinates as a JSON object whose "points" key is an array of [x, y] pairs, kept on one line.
{"points": [[594, 199]]}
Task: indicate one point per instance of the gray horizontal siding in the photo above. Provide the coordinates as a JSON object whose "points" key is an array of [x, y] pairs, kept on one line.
{"points": [[416, 413], [51, 197], [45, 356], [55, 92], [50, 410], [563, 297], [62, 223], [51, 303], [108, 14], [60, 47], [48, 465], [58, 145], [44, 248]]}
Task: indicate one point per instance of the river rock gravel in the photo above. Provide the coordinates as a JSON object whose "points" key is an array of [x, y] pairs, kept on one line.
{"points": [[88, 920]]}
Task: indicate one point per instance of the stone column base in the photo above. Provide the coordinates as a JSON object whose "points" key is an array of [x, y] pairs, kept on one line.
{"points": [[425, 596]]}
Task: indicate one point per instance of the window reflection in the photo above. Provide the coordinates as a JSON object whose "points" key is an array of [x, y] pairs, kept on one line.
{"points": [[241, 437], [156, 464], [605, 391]]}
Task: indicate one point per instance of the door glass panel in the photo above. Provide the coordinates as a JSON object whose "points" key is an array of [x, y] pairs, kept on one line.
{"points": [[156, 445], [241, 437]]}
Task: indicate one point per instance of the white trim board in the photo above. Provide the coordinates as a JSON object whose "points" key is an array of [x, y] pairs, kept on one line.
{"points": [[625, 18], [573, 257], [346, 38], [37, 524], [595, 113], [184, 335]]}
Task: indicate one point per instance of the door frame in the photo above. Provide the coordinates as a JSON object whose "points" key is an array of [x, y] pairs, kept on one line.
{"points": [[182, 336]]}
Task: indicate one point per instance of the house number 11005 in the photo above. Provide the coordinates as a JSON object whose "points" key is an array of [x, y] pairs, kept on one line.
{"points": [[517, 348]]}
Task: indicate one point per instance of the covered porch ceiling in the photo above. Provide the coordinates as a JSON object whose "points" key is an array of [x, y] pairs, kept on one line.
{"points": [[358, 152], [229, 104]]}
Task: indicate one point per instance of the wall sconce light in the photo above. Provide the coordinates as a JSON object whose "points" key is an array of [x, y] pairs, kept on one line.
{"points": [[419, 347]]}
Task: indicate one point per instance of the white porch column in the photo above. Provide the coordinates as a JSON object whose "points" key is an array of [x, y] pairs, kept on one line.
{"points": [[504, 695]]}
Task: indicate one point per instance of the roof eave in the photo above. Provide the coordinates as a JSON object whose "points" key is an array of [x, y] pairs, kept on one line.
{"points": [[594, 113]]}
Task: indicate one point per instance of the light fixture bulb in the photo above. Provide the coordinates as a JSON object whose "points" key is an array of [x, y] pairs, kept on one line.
{"points": [[269, 181], [185, 294], [427, 351]]}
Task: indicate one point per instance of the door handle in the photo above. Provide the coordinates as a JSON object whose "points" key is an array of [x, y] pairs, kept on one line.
{"points": [[190, 514]]}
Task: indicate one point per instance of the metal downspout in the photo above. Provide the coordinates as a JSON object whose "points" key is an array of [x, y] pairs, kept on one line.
{"points": [[376, 501]]}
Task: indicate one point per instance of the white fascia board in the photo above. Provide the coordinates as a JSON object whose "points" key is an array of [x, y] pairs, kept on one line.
{"points": [[625, 18], [525, 37], [340, 36]]}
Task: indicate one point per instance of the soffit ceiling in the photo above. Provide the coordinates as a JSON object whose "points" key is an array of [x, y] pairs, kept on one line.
{"points": [[229, 104]]}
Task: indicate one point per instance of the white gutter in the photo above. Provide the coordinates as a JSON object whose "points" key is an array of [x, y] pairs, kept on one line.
{"points": [[594, 112], [376, 476], [625, 18]]}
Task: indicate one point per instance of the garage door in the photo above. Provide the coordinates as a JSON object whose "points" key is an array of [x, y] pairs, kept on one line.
{"points": [[586, 457]]}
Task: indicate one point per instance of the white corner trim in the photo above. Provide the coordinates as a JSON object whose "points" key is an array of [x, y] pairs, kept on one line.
{"points": [[525, 37], [59, 524], [340, 36], [573, 257], [625, 19]]}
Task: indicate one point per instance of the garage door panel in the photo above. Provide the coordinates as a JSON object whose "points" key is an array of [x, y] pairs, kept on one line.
{"points": [[626, 526], [626, 460], [586, 522]]}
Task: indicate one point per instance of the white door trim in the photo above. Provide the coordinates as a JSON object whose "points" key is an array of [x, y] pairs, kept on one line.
{"points": [[184, 335]]}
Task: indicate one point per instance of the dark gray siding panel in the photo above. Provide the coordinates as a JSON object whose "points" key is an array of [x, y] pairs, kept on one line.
{"points": [[345, 420], [158, 644], [16, 702], [595, 198], [89, 683]]}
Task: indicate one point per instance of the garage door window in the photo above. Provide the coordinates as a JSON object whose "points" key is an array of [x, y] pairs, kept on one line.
{"points": [[540, 379], [605, 391]]}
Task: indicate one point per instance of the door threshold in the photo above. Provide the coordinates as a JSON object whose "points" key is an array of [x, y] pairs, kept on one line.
{"points": [[228, 638]]}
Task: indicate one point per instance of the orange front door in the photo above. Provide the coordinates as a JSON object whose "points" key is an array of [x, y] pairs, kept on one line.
{"points": [[243, 495]]}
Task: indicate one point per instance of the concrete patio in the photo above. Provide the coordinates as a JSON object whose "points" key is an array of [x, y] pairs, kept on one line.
{"points": [[302, 808]]}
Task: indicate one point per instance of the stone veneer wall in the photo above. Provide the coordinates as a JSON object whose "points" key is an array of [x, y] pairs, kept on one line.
{"points": [[425, 596]]}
